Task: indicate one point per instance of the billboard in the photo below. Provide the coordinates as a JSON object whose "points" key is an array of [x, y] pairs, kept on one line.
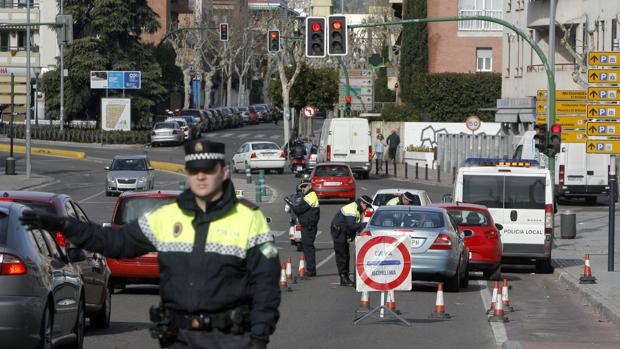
{"points": [[116, 80], [116, 114]]}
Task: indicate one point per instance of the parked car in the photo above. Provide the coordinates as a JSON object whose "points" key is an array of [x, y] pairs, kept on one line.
{"points": [[93, 269], [245, 114], [194, 127], [218, 123], [227, 116], [238, 116], [333, 181], [262, 112], [259, 155], [187, 131], [485, 244], [382, 196], [437, 246], [41, 291], [195, 113], [254, 115], [129, 207], [166, 132], [129, 172]]}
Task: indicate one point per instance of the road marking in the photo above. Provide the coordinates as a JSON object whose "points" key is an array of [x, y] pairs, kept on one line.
{"points": [[498, 328], [92, 196], [364, 189], [275, 137], [226, 135], [259, 136], [243, 135], [327, 259]]}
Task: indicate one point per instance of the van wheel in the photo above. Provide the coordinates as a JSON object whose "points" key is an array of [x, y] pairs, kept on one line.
{"points": [[493, 275], [78, 330], [453, 284], [543, 266]]}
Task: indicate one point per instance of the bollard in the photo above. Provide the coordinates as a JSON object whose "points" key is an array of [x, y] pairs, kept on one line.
{"points": [[426, 172], [568, 225], [248, 173], [9, 166], [453, 174], [416, 170], [406, 170], [438, 173], [259, 192], [395, 168], [387, 167]]}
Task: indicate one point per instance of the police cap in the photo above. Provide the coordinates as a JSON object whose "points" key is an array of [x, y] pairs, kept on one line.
{"points": [[409, 196], [201, 154]]}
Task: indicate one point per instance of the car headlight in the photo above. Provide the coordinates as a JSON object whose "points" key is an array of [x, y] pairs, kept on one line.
{"points": [[142, 179], [110, 180]]}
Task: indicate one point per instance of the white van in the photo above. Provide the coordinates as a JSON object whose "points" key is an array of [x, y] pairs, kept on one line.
{"points": [[347, 140], [519, 195]]}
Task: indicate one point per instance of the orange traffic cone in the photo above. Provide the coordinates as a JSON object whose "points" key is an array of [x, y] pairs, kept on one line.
{"points": [[440, 308], [289, 271], [587, 277], [302, 267], [494, 298], [505, 301], [283, 283], [390, 302], [364, 303], [498, 314]]}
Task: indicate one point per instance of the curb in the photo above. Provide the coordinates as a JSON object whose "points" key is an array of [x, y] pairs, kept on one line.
{"points": [[45, 151], [168, 166], [74, 144], [589, 294]]}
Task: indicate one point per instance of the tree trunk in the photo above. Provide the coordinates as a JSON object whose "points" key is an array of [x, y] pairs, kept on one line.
{"points": [[229, 90], [208, 88], [187, 88]]}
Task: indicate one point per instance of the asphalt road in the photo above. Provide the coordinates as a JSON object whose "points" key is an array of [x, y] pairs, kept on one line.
{"points": [[318, 313]]}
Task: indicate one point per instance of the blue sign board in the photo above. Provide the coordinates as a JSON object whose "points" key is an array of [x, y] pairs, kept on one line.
{"points": [[133, 79], [115, 80]]}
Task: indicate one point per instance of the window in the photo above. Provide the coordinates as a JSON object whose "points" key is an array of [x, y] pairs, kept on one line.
{"points": [[265, 146], [484, 190], [21, 39], [407, 219], [132, 208], [80, 213], [491, 8], [382, 199], [40, 242], [128, 165], [51, 244], [4, 41], [484, 60], [525, 193], [70, 211], [469, 218], [332, 171]]}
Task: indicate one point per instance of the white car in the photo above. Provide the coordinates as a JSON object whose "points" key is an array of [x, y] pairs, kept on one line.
{"points": [[183, 125], [384, 195], [259, 155]]}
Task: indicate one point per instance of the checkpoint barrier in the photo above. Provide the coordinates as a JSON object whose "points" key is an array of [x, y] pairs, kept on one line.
{"points": [[383, 264]]}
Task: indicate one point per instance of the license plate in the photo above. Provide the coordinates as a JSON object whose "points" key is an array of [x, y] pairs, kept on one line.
{"points": [[331, 184], [417, 242], [299, 168]]}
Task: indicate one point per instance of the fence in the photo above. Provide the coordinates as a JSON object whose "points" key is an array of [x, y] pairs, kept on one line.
{"points": [[454, 149]]}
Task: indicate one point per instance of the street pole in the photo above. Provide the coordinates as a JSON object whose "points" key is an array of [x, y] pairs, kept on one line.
{"points": [[62, 72], [613, 184], [28, 90], [552, 8]]}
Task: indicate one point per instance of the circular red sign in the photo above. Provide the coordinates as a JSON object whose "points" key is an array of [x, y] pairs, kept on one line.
{"points": [[406, 263]]}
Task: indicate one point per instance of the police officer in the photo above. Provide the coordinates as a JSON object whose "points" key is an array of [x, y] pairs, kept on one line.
{"points": [[308, 213], [405, 198], [219, 266], [345, 225]]}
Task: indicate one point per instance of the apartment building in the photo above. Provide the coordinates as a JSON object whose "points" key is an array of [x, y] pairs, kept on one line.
{"points": [[168, 12]]}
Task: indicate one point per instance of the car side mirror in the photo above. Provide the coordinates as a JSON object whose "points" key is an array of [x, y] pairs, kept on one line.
{"points": [[107, 168], [499, 226], [268, 219], [76, 255], [446, 198], [151, 168], [106, 225], [468, 233]]}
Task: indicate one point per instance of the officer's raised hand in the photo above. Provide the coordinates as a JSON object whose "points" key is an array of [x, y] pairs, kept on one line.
{"points": [[41, 220]]}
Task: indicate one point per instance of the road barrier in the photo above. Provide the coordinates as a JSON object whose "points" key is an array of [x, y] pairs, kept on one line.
{"points": [[283, 282], [426, 172], [454, 149], [498, 314], [416, 170], [45, 151], [505, 299], [301, 272]]}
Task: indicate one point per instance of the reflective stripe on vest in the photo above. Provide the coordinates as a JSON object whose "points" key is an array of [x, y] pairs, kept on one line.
{"points": [[170, 229], [351, 211], [312, 199], [393, 202]]}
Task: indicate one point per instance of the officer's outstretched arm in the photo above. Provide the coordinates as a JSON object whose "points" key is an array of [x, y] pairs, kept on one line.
{"points": [[263, 265], [125, 242]]}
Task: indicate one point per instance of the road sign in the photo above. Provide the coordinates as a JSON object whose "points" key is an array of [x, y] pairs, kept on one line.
{"points": [[562, 95], [541, 119], [603, 76], [562, 108], [604, 59], [607, 129], [603, 110], [603, 146], [610, 94], [309, 112], [571, 121], [383, 263], [119, 80], [473, 123], [573, 136]]}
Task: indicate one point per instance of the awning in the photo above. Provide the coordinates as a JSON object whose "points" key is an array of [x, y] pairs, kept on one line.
{"points": [[527, 115], [507, 115]]}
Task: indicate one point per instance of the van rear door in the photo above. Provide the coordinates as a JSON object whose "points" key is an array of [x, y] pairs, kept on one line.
{"points": [[359, 133], [597, 167], [575, 164], [340, 142], [485, 189], [524, 209]]}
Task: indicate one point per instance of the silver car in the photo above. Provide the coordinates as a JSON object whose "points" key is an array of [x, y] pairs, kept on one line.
{"points": [[167, 132], [438, 251], [129, 172]]}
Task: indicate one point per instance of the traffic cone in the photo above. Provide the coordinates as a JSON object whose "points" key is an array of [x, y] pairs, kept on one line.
{"points": [[283, 283], [494, 298], [390, 302], [301, 272], [587, 277], [364, 303], [505, 301], [440, 308], [498, 314], [289, 271]]}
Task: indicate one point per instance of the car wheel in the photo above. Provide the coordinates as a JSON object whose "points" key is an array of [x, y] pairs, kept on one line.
{"points": [[493, 275], [543, 266], [234, 166], [78, 330], [453, 284], [102, 318], [465, 279], [47, 324]]}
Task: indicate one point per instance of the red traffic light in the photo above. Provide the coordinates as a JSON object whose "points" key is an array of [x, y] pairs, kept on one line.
{"points": [[223, 27], [337, 25], [316, 27], [274, 35], [556, 128], [348, 99]]}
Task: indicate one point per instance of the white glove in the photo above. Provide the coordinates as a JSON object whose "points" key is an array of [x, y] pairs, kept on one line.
{"points": [[287, 208]]}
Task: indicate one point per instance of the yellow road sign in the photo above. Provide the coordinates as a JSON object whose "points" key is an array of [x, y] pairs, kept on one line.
{"points": [[562, 108], [570, 95], [610, 94], [604, 58], [573, 136], [605, 111], [541, 119], [571, 121], [609, 129], [603, 76], [603, 146]]}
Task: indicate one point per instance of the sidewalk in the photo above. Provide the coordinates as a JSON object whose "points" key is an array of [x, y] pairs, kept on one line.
{"points": [[20, 182], [568, 257], [445, 179], [38, 142]]}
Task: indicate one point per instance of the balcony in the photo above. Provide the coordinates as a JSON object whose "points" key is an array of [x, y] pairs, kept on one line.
{"points": [[14, 11], [16, 56], [480, 26]]}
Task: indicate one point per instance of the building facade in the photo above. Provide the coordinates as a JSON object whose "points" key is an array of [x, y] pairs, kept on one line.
{"points": [[168, 12]]}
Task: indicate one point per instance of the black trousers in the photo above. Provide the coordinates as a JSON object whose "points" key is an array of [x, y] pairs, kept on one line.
{"points": [[210, 340], [392, 153], [343, 257], [308, 235]]}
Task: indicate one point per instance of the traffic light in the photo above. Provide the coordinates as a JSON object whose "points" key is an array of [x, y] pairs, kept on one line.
{"points": [[273, 41], [347, 105], [540, 138], [337, 36], [223, 31], [315, 37], [554, 140]]}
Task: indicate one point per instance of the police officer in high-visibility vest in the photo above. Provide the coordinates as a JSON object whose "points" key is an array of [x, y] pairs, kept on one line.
{"points": [[405, 198], [308, 213], [219, 266], [345, 226]]}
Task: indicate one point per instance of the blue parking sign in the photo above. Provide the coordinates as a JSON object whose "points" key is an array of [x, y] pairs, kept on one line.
{"points": [[600, 146], [603, 94], [602, 112], [603, 76], [133, 80], [602, 129], [603, 59]]}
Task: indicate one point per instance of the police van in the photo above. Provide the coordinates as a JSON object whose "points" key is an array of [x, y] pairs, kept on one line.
{"points": [[519, 195]]}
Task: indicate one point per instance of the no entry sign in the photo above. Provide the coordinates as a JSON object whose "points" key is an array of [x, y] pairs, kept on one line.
{"points": [[383, 263]]}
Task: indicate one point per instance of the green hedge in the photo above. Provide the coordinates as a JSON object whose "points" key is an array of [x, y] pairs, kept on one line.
{"points": [[392, 112], [82, 135]]}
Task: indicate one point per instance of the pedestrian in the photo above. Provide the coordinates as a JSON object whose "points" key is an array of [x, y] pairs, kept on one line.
{"points": [[393, 141], [308, 213], [379, 147], [217, 257], [405, 198], [276, 117], [345, 226]]}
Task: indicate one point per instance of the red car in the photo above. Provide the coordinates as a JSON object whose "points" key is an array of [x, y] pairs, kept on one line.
{"points": [[129, 207], [485, 244], [332, 180]]}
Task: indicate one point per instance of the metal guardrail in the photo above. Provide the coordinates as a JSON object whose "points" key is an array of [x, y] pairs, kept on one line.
{"points": [[480, 25]]}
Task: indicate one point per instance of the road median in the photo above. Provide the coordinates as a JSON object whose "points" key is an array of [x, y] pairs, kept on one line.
{"points": [[45, 151], [168, 166]]}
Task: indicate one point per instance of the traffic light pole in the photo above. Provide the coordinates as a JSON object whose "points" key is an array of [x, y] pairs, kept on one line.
{"points": [[346, 78]]}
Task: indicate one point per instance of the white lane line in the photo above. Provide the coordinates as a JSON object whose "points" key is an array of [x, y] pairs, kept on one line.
{"points": [[275, 137], [498, 328], [364, 189], [327, 259], [91, 197], [226, 135], [243, 135], [55, 181], [259, 136]]}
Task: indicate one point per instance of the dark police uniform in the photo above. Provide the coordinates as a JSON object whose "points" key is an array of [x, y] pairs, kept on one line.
{"points": [[309, 213], [399, 200], [219, 269]]}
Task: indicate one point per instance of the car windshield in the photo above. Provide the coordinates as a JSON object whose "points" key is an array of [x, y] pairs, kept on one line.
{"points": [[128, 165], [189, 119], [331, 171], [133, 207], [407, 219], [190, 113], [382, 199], [471, 218], [265, 146], [161, 125], [37, 205], [259, 107]]}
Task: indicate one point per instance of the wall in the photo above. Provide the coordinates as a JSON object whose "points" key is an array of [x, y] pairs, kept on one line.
{"points": [[47, 40]]}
